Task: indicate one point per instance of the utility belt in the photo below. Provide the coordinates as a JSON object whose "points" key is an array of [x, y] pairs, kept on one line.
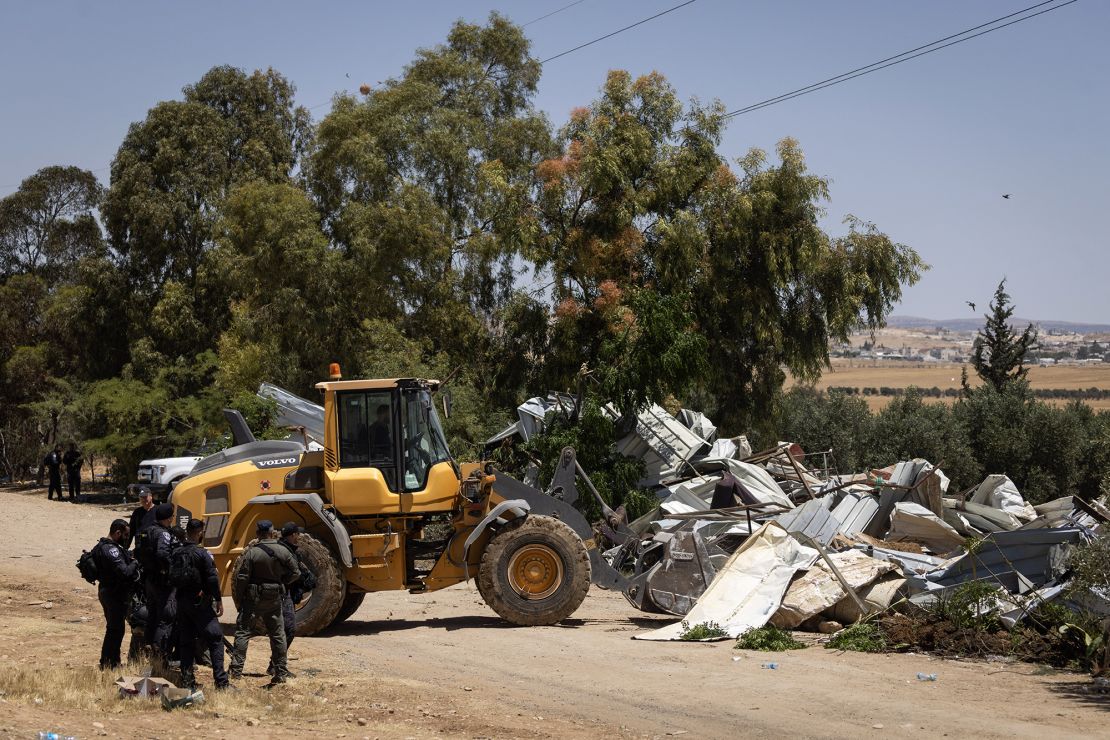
{"points": [[266, 590]]}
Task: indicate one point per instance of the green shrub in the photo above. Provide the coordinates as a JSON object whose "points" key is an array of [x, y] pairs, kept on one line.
{"points": [[969, 606], [768, 638], [702, 631], [864, 637]]}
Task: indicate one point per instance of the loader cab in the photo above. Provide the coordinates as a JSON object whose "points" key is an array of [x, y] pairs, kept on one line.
{"points": [[385, 451]]}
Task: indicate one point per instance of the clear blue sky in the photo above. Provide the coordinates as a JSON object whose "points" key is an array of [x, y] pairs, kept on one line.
{"points": [[924, 149]]}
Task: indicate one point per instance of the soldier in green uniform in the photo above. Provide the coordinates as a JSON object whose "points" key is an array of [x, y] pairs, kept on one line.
{"points": [[265, 571]]}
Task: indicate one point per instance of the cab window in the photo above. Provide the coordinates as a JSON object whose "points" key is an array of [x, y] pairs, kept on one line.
{"points": [[424, 443], [366, 437]]}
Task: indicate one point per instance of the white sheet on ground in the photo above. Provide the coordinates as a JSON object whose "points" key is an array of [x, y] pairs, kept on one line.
{"points": [[749, 588]]}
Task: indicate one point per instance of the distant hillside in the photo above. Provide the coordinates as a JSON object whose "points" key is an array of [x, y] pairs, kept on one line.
{"points": [[972, 324]]}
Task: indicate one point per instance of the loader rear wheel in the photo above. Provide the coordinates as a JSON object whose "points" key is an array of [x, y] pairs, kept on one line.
{"points": [[535, 571], [320, 606], [351, 603]]}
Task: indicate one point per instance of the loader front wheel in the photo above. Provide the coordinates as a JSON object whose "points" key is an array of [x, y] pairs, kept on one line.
{"points": [[320, 606], [535, 571]]}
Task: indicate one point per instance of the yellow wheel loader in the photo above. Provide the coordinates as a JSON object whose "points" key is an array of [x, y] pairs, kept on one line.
{"points": [[383, 480]]}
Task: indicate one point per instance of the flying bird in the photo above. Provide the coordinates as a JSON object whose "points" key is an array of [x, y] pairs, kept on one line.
{"points": [[1007, 195], [970, 304]]}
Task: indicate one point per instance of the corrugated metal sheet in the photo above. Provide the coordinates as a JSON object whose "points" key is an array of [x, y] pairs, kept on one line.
{"points": [[855, 511], [663, 443], [811, 519], [1013, 559]]}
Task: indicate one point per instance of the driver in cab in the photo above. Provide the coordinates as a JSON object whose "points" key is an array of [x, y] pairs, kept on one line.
{"points": [[380, 436]]}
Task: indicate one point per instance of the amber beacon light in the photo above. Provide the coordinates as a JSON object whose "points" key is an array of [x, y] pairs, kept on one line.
{"points": [[334, 371]]}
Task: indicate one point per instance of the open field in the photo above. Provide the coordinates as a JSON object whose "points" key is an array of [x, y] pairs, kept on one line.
{"points": [[443, 665], [894, 374]]}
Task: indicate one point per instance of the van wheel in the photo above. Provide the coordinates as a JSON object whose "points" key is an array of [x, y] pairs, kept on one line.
{"points": [[320, 606], [535, 571]]}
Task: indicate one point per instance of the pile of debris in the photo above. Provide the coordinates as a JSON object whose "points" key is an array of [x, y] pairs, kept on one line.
{"points": [[742, 538]]}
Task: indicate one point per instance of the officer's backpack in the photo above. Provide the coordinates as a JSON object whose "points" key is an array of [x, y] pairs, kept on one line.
{"points": [[86, 564], [183, 569]]}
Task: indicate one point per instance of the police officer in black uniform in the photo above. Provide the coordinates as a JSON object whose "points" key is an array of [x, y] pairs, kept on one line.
{"points": [[73, 460], [53, 464], [116, 572], [290, 538], [156, 564], [199, 607]]}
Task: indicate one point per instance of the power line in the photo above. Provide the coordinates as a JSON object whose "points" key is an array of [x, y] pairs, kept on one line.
{"points": [[899, 58], [554, 12], [904, 53], [619, 30]]}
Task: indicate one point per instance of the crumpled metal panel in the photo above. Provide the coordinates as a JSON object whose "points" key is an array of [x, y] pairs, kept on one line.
{"points": [[811, 519], [663, 443], [294, 411], [685, 571], [1018, 560]]}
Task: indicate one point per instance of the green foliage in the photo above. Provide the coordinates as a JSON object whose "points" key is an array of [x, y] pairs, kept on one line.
{"points": [[863, 637], [640, 200], [654, 355], [971, 606], [768, 638], [999, 353], [909, 427], [819, 421], [1090, 564], [702, 631], [592, 436], [47, 225]]}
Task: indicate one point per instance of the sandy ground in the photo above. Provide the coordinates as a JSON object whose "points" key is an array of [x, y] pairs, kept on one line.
{"points": [[444, 665]]}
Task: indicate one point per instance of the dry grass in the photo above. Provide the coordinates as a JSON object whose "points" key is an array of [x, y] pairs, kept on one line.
{"points": [[877, 374], [88, 689]]}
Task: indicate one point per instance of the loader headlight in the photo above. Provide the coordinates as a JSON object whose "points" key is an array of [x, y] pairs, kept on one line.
{"points": [[471, 489]]}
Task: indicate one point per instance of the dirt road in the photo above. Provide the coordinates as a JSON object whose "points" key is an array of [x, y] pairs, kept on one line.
{"points": [[444, 665]]}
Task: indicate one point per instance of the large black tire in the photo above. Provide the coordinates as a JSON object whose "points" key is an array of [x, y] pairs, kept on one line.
{"points": [[351, 602], [319, 607], [535, 571]]}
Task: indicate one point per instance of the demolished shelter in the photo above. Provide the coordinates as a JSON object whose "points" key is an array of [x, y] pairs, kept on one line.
{"points": [[743, 538]]}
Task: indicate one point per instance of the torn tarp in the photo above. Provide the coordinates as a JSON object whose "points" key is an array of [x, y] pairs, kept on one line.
{"points": [[749, 588], [142, 686], [999, 492]]}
